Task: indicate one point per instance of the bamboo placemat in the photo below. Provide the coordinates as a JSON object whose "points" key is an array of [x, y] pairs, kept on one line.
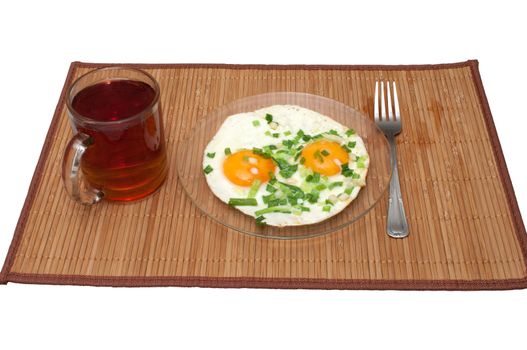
{"points": [[466, 228]]}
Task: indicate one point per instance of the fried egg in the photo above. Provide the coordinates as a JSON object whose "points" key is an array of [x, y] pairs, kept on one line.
{"points": [[285, 165]]}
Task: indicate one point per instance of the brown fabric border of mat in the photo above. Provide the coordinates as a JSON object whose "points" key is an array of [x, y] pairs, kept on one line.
{"points": [[244, 282]]}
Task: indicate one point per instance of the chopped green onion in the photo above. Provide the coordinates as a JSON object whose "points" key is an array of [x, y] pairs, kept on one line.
{"points": [[352, 144], [360, 161], [286, 170], [269, 118], [326, 208], [355, 176], [245, 159], [345, 148], [350, 132], [287, 173], [227, 151], [270, 188], [289, 152], [288, 143], [211, 155], [302, 160], [287, 133], [312, 197], [325, 153], [285, 210], [282, 163], [346, 171], [256, 123], [267, 151], [293, 194], [267, 133], [348, 190], [313, 178], [335, 184], [263, 153], [268, 198], [333, 132], [318, 156], [254, 188], [238, 202], [208, 169], [328, 202], [276, 135], [290, 188], [260, 221], [273, 202], [298, 156], [302, 208], [321, 187]]}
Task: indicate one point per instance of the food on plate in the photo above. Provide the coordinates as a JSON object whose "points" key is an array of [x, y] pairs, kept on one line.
{"points": [[286, 165]]}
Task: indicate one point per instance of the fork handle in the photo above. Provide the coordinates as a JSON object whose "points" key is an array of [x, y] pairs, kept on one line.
{"points": [[397, 226]]}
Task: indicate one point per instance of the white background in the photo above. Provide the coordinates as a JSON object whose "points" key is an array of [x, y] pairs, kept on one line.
{"points": [[39, 39]]}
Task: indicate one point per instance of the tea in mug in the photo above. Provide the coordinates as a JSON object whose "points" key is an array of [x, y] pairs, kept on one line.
{"points": [[127, 157]]}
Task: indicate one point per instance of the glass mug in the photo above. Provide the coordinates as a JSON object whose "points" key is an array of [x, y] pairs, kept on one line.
{"points": [[118, 149]]}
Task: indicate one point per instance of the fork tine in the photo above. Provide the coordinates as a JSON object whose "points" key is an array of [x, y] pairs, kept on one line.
{"points": [[389, 105], [376, 102], [383, 105], [396, 103]]}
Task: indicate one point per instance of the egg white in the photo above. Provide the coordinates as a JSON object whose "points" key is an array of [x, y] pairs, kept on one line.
{"points": [[238, 132]]}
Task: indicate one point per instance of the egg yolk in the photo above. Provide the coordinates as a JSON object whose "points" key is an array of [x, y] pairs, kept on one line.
{"points": [[243, 167], [324, 157]]}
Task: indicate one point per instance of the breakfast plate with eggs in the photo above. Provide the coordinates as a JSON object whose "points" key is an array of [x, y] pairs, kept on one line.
{"points": [[284, 165]]}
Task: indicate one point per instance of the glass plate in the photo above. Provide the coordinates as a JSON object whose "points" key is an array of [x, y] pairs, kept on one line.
{"points": [[190, 163]]}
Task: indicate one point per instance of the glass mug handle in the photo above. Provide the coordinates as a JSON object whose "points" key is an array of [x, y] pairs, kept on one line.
{"points": [[74, 181]]}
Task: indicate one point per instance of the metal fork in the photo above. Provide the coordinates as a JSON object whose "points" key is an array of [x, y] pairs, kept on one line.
{"points": [[389, 121]]}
